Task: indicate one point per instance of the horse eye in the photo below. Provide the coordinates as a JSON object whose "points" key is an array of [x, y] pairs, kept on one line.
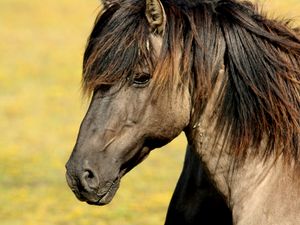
{"points": [[141, 79]]}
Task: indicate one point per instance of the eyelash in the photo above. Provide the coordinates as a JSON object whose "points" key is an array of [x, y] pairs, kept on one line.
{"points": [[140, 79]]}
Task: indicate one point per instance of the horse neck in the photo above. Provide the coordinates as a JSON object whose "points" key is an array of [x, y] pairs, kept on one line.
{"points": [[257, 190]]}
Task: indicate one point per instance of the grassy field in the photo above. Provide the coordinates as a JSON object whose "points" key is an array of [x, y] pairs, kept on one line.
{"points": [[40, 111]]}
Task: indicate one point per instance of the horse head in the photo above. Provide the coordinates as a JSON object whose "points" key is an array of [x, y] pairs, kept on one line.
{"points": [[129, 114]]}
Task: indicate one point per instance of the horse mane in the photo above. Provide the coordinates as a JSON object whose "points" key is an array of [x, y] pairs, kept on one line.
{"points": [[260, 96], [261, 99]]}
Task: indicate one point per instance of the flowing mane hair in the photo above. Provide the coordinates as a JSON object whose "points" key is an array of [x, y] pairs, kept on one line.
{"points": [[260, 96]]}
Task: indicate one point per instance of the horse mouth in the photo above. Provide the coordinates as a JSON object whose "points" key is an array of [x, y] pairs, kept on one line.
{"points": [[106, 195], [102, 196]]}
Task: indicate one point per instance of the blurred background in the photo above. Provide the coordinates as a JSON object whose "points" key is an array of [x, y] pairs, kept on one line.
{"points": [[41, 107]]}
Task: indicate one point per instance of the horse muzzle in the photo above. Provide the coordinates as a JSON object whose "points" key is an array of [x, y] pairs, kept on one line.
{"points": [[87, 187]]}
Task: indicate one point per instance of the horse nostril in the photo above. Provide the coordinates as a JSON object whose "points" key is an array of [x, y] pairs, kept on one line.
{"points": [[89, 180]]}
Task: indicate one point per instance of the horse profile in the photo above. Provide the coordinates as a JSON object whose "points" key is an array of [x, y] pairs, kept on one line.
{"points": [[218, 70]]}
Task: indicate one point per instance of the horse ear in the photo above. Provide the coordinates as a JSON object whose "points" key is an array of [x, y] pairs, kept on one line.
{"points": [[106, 3], [156, 16]]}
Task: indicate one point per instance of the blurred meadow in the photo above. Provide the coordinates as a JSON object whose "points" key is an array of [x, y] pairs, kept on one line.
{"points": [[41, 108]]}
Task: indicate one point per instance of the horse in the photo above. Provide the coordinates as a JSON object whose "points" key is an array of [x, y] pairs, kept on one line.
{"points": [[218, 70]]}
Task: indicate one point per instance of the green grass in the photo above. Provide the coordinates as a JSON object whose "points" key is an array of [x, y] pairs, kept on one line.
{"points": [[41, 49]]}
